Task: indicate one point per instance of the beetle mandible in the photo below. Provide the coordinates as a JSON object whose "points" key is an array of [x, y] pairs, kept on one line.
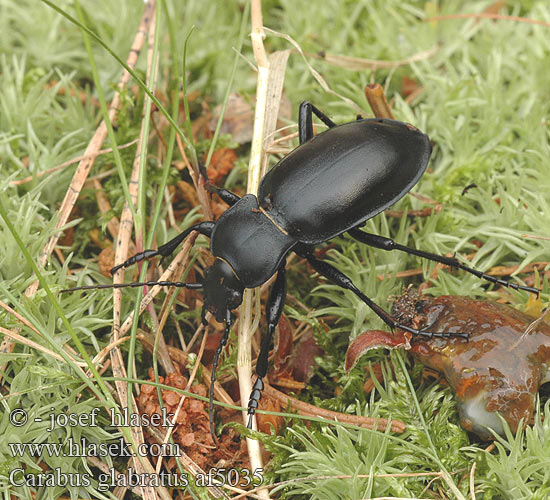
{"points": [[331, 184]]}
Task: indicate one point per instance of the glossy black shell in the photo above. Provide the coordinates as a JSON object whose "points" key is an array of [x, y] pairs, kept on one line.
{"points": [[343, 176], [249, 242]]}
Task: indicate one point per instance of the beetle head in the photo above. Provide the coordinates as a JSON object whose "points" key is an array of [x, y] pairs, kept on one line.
{"points": [[222, 289]]}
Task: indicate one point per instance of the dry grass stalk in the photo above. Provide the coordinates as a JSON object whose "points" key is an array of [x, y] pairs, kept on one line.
{"points": [[33, 345], [361, 64], [127, 400], [70, 162], [268, 97], [302, 408]]}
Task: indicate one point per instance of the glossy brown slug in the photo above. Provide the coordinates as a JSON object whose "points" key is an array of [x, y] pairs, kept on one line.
{"points": [[499, 369]]}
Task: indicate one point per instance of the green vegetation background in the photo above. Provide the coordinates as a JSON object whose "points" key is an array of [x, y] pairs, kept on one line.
{"points": [[485, 106]]}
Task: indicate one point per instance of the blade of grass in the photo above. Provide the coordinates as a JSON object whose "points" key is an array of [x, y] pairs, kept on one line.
{"points": [[238, 49], [135, 433], [105, 111], [152, 65], [136, 77], [446, 476]]}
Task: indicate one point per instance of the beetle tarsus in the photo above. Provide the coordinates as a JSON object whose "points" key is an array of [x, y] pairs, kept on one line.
{"points": [[255, 397], [227, 196], [305, 121], [274, 309]]}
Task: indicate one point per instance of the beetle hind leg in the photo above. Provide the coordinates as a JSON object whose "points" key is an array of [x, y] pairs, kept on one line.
{"points": [[305, 120], [384, 243], [340, 279]]}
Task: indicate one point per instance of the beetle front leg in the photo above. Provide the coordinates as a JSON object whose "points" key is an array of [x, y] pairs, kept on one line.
{"points": [[226, 195], [340, 279], [384, 243], [204, 228], [274, 308], [305, 120]]}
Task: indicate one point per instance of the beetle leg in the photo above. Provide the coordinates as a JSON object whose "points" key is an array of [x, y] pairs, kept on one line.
{"points": [[305, 122], [204, 228], [227, 196], [384, 243], [274, 308], [223, 341], [340, 279]]}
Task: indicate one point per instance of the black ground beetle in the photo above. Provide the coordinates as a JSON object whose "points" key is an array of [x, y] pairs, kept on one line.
{"points": [[330, 184]]}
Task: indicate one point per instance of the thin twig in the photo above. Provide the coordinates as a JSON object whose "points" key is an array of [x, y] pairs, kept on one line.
{"points": [[487, 15], [92, 156], [307, 409], [101, 355], [361, 64], [424, 212]]}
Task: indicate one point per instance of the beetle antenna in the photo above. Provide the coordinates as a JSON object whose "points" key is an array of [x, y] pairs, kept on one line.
{"points": [[177, 284], [223, 341]]}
